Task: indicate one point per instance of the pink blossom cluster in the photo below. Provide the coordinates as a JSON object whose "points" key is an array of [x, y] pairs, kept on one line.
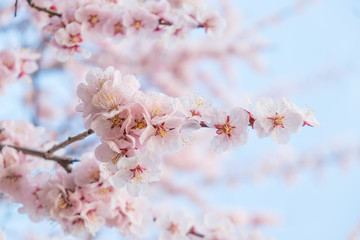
{"points": [[16, 64], [82, 201], [86, 199], [180, 225], [16, 167], [137, 128], [120, 19]]}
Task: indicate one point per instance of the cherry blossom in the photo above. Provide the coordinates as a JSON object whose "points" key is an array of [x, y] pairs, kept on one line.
{"points": [[137, 172], [69, 36], [218, 229], [140, 21], [278, 120], [112, 151], [92, 18], [175, 226], [231, 129], [135, 129]]}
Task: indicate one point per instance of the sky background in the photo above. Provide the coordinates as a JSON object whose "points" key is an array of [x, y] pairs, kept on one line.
{"points": [[312, 58]]}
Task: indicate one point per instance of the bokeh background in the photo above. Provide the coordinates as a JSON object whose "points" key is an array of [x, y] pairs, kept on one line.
{"points": [[309, 188]]}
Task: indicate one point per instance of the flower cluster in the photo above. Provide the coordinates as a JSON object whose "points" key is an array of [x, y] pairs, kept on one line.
{"points": [[86, 199], [98, 20], [136, 128], [16, 64], [181, 225]]}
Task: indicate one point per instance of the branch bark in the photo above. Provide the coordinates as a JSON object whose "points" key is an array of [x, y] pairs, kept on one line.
{"points": [[43, 9], [70, 140], [63, 161]]}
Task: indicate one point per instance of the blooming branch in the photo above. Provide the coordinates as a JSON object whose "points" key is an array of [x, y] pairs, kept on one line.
{"points": [[69, 141], [63, 161], [42, 9]]}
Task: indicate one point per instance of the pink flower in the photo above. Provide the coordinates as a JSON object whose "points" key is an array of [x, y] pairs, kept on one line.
{"points": [[9, 63], [163, 135], [54, 24], [140, 21], [20, 133], [136, 216], [87, 171], [231, 129], [114, 27], [28, 63], [15, 180], [59, 199], [64, 53], [94, 216], [111, 125], [277, 120], [157, 7], [136, 172], [163, 125], [69, 36], [95, 80], [174, 226], [33, 206], [216, 228], [116, 92], [112, 151], [212, 22], [92, 18], [138, 121], [195, 107]]}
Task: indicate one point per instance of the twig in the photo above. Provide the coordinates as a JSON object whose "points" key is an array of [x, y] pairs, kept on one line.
{"points": [[193, 232], [70, 140], [16, 3], [42, 9], [63, 161]]}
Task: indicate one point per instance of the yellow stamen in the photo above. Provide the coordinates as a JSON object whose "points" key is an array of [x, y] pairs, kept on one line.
{"points": [[138, 25], [64, 202]]}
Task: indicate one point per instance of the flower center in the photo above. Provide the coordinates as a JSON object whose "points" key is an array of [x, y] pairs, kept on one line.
{"points": [[64, 202], [140, 124], [225, 128], [116, 121], [75, 39], [277, 120], [118, 28], [195, 113], [12, 178], [173, 228], [160, 130], [138, 24], [116, 156], [93, 20], [129, 207], [138, 174]]}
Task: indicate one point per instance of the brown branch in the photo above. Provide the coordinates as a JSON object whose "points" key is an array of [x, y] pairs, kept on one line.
{"points": [[42, 9], [16, 4], [70, 140], [193, 232], [63, 161]]}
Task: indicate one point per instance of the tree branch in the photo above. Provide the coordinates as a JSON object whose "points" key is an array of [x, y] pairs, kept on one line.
{"points": [[70, 140], [63, 161], [16, 4], [42, 9]]}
